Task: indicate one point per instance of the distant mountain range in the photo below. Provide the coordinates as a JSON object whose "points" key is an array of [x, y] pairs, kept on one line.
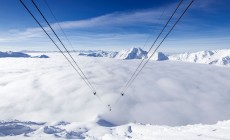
{"points": [[133, 53], [20, 54], [97, 53], [216, 57]]}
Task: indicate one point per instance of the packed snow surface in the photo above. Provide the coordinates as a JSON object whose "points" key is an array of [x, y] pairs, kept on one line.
{"points": [[10, 130], [165, 93]]}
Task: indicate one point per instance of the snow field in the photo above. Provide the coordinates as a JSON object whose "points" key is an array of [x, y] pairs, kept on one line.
{"points": [[95, 131]]}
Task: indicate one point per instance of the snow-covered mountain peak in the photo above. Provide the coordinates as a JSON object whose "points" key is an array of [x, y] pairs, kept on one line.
{"points": [[133, 53]]}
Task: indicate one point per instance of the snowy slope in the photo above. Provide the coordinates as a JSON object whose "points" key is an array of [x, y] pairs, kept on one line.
{"points": [[133, 53], [95, 130], [159, 56], [217, 57]]}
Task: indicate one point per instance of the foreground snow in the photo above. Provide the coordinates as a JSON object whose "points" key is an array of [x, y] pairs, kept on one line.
{"points": [[103, 130]]}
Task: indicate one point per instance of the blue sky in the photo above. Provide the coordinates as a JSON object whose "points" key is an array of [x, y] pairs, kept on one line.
{"points": [[116, 24]]}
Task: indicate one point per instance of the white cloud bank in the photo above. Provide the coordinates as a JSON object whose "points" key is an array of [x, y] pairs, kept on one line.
{"points": [[166, 92]]}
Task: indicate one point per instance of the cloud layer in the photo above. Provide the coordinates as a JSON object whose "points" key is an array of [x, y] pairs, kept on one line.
{"points": [[171, 93]]}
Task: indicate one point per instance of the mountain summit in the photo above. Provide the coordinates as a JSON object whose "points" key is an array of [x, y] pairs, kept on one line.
{"points": [[133, 53]]}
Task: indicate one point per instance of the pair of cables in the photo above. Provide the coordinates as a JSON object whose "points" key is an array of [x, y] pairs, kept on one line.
{"points": [[76, 67], [67, 56], [143, 63]]}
